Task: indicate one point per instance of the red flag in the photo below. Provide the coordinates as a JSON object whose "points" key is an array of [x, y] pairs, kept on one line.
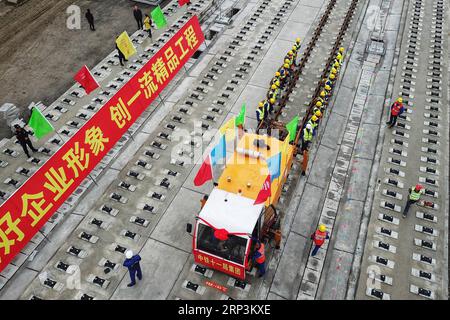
{"points": [[265, 191], [204, 173], [87, 81], [183, 2]]}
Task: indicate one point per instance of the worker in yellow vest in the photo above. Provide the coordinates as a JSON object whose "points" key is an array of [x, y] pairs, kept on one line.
{"points": [[413, 197]]}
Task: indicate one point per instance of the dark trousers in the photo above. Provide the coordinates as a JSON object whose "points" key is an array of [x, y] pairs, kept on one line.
{"points": [[24, 146], [149, 33], [408, 204], [139, 23], [314, 252], [121, 58], [136, 270], [305, 145], [91, 25], [392, 120], [261, 268]]}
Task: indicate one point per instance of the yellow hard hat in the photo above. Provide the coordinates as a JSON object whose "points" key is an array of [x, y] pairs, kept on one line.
{"points": [[290, 53], [318, 113], [272, 100], [336, 64], [332, 76], [341, 49], [400, 100], [274, 86], [322, 228], [319, 104], [297, 40], [314, 118], [339, 56], [333, 70], [286, 61], [294, 48], [277, 83], [328, 88], [286, 65], [277, 74], [323, 94], [261, 104]]}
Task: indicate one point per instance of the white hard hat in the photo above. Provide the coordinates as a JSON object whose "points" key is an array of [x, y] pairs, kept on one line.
{"points": [[308, 126], [129, 254]]}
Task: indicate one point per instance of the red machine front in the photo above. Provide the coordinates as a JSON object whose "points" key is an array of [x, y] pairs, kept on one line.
{"points": [[229, 256]]}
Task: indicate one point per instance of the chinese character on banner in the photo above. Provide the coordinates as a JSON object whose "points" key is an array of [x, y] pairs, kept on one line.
{"points": [[148, 85], [231, 268], [76, 159], [179, 44], [191, 37], [7, 226], [120, 114], [225, 267], [160, 71], [237, 271], [172, 59], [57, 182], [200, 257], [33, 208], [94, 138]]}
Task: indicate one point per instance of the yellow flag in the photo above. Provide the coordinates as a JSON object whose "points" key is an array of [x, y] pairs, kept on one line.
{"points": [[229, 130], [285, 145], [125, 45]]}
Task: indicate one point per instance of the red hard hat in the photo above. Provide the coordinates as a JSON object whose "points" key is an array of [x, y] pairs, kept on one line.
{"points": [[419, 187]]}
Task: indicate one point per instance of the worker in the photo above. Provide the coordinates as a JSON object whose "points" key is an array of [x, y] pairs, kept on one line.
{"points": [[290, 56], [337, 66], [314, 122], [341, 50], [24, 140], [332, 77], [260, 115], [295, 51], [318, 114], [273, 92], [284, 72], [339, 58], [327, 90], [307, 137], [132, 263], [329, 82], [297, 43], [287, 61], [203, 201], [413, 197], [271, 104], [333, 71], [259, 258], [319, 238], [396, 110]]}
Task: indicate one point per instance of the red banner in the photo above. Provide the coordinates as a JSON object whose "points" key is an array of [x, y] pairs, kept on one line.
{"points": [[29, 208], [213, 262]]}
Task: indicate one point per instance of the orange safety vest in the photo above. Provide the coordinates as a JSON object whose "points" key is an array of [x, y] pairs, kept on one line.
{"points": [[262, 257], [319, 237]]}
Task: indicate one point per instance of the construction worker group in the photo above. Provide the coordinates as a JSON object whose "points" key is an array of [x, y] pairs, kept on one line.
{"points": [[278, 83], [320, 103]]}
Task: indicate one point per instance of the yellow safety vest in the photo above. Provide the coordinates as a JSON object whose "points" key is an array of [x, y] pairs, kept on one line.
{"points": [[414, 196], [307, 135]]}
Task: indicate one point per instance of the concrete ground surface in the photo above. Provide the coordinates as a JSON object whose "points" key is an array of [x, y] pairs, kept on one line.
{"points": [[37, 44], [340, 189]]}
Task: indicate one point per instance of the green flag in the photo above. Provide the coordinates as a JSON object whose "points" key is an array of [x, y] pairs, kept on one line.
{"points": [[158, 17], [40, 124], [292, 128], [240, 119]]}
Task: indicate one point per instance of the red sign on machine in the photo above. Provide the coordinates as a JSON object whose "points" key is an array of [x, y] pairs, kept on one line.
{"points": [[29, 208], [213, 262]]}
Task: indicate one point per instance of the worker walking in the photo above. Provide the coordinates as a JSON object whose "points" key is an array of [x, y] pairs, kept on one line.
{"points": [[138, 16], [90, 19], [413, 197], [259, 258], [396, 110], [148, 26], [319, 238], [24, 140], [132, 263]]}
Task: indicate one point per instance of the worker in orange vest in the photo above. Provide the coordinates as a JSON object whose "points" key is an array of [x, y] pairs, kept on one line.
{"points": [[259, 258], [319, 238]]}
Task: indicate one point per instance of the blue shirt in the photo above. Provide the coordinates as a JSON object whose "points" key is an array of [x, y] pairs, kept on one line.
{"points": [[130, 263]]}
